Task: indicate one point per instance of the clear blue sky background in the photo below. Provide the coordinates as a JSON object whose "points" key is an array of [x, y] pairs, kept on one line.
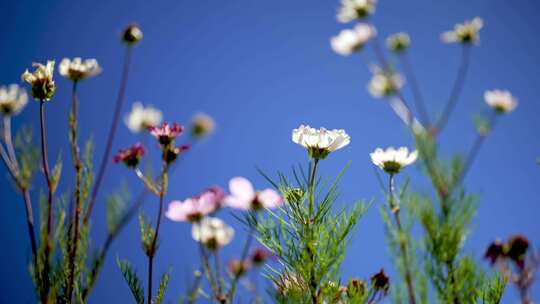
{"points": [[262, 68]]}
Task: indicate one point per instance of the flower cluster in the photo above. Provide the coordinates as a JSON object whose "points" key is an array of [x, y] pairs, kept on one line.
{"points": [[466, 33], [77, 69], [41, 81], [351, 40], [320, 142], [12, 100]]}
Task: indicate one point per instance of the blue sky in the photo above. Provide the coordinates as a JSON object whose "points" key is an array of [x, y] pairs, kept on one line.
{"points": [[261, 68]]}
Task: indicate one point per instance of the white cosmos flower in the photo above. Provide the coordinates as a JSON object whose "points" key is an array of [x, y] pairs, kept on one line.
{"points": [[212, 232], [355, 9], [141, 118], [77, 69], [350, 40], [12, 100], [398, 42], [384, 83], [202, 125], [320, 142], [41, 80], [467, 32], [392, 160], [500, 101]]}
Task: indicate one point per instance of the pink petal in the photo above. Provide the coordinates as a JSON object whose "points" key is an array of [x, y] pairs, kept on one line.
{"points": [[177, 211], [242, 189], [237, 203], [270, 198]]}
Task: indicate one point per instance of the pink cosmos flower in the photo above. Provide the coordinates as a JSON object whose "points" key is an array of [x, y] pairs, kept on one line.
{"points": [[166, 133], [244, 197], [130, 156], [195, 208]]}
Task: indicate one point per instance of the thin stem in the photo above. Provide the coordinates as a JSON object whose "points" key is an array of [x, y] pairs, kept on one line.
{"points": [[77, 163], [45, 164], [418, 98], [158, 225], [402, 243], [11, 165], [475, 149], [112, 132], [147, 182], [206, 267], [9, 143], [219, 275], [243, 257], [456, 90], [312, 280]]}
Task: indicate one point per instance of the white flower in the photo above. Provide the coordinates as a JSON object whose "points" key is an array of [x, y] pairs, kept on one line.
{"points": [[77, 69], [384, 83], [393, 160], [351, 40], [320, 142], [500, 101], [467, 32], [141, 118], [355, 9], [41, 80], [212, 232], [398, 42], [12, 99], [202, 125]]}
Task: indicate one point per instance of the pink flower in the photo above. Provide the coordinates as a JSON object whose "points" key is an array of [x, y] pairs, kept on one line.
{"points": [[130, 156], [166, 133], [195, 208], [244, 197]]}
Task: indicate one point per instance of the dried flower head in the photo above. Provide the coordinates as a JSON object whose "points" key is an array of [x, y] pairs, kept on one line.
{"points": [[384, 83], [259, 256], [77, 69], [195, 208], [380, 281], [212, 232], [41, 80], [132, 35], [320, 142], [351, 10], [516, 248], [392, 160], [141, 118], [202, 125], [494, 252], [351, 40], [500, 101], [12, 100], [130, 156], [398, 42], [466, 33], [166, 134], [238, 267], [243, 196]]}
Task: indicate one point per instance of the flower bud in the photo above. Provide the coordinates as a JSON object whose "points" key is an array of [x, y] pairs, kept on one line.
{"points": [[132, 35]]}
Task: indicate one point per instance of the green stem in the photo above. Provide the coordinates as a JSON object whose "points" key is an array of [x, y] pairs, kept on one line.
{"points": [[45, 165], [313, 285], [77, 163], [243, 257], [402, 243], [155, 238]]}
